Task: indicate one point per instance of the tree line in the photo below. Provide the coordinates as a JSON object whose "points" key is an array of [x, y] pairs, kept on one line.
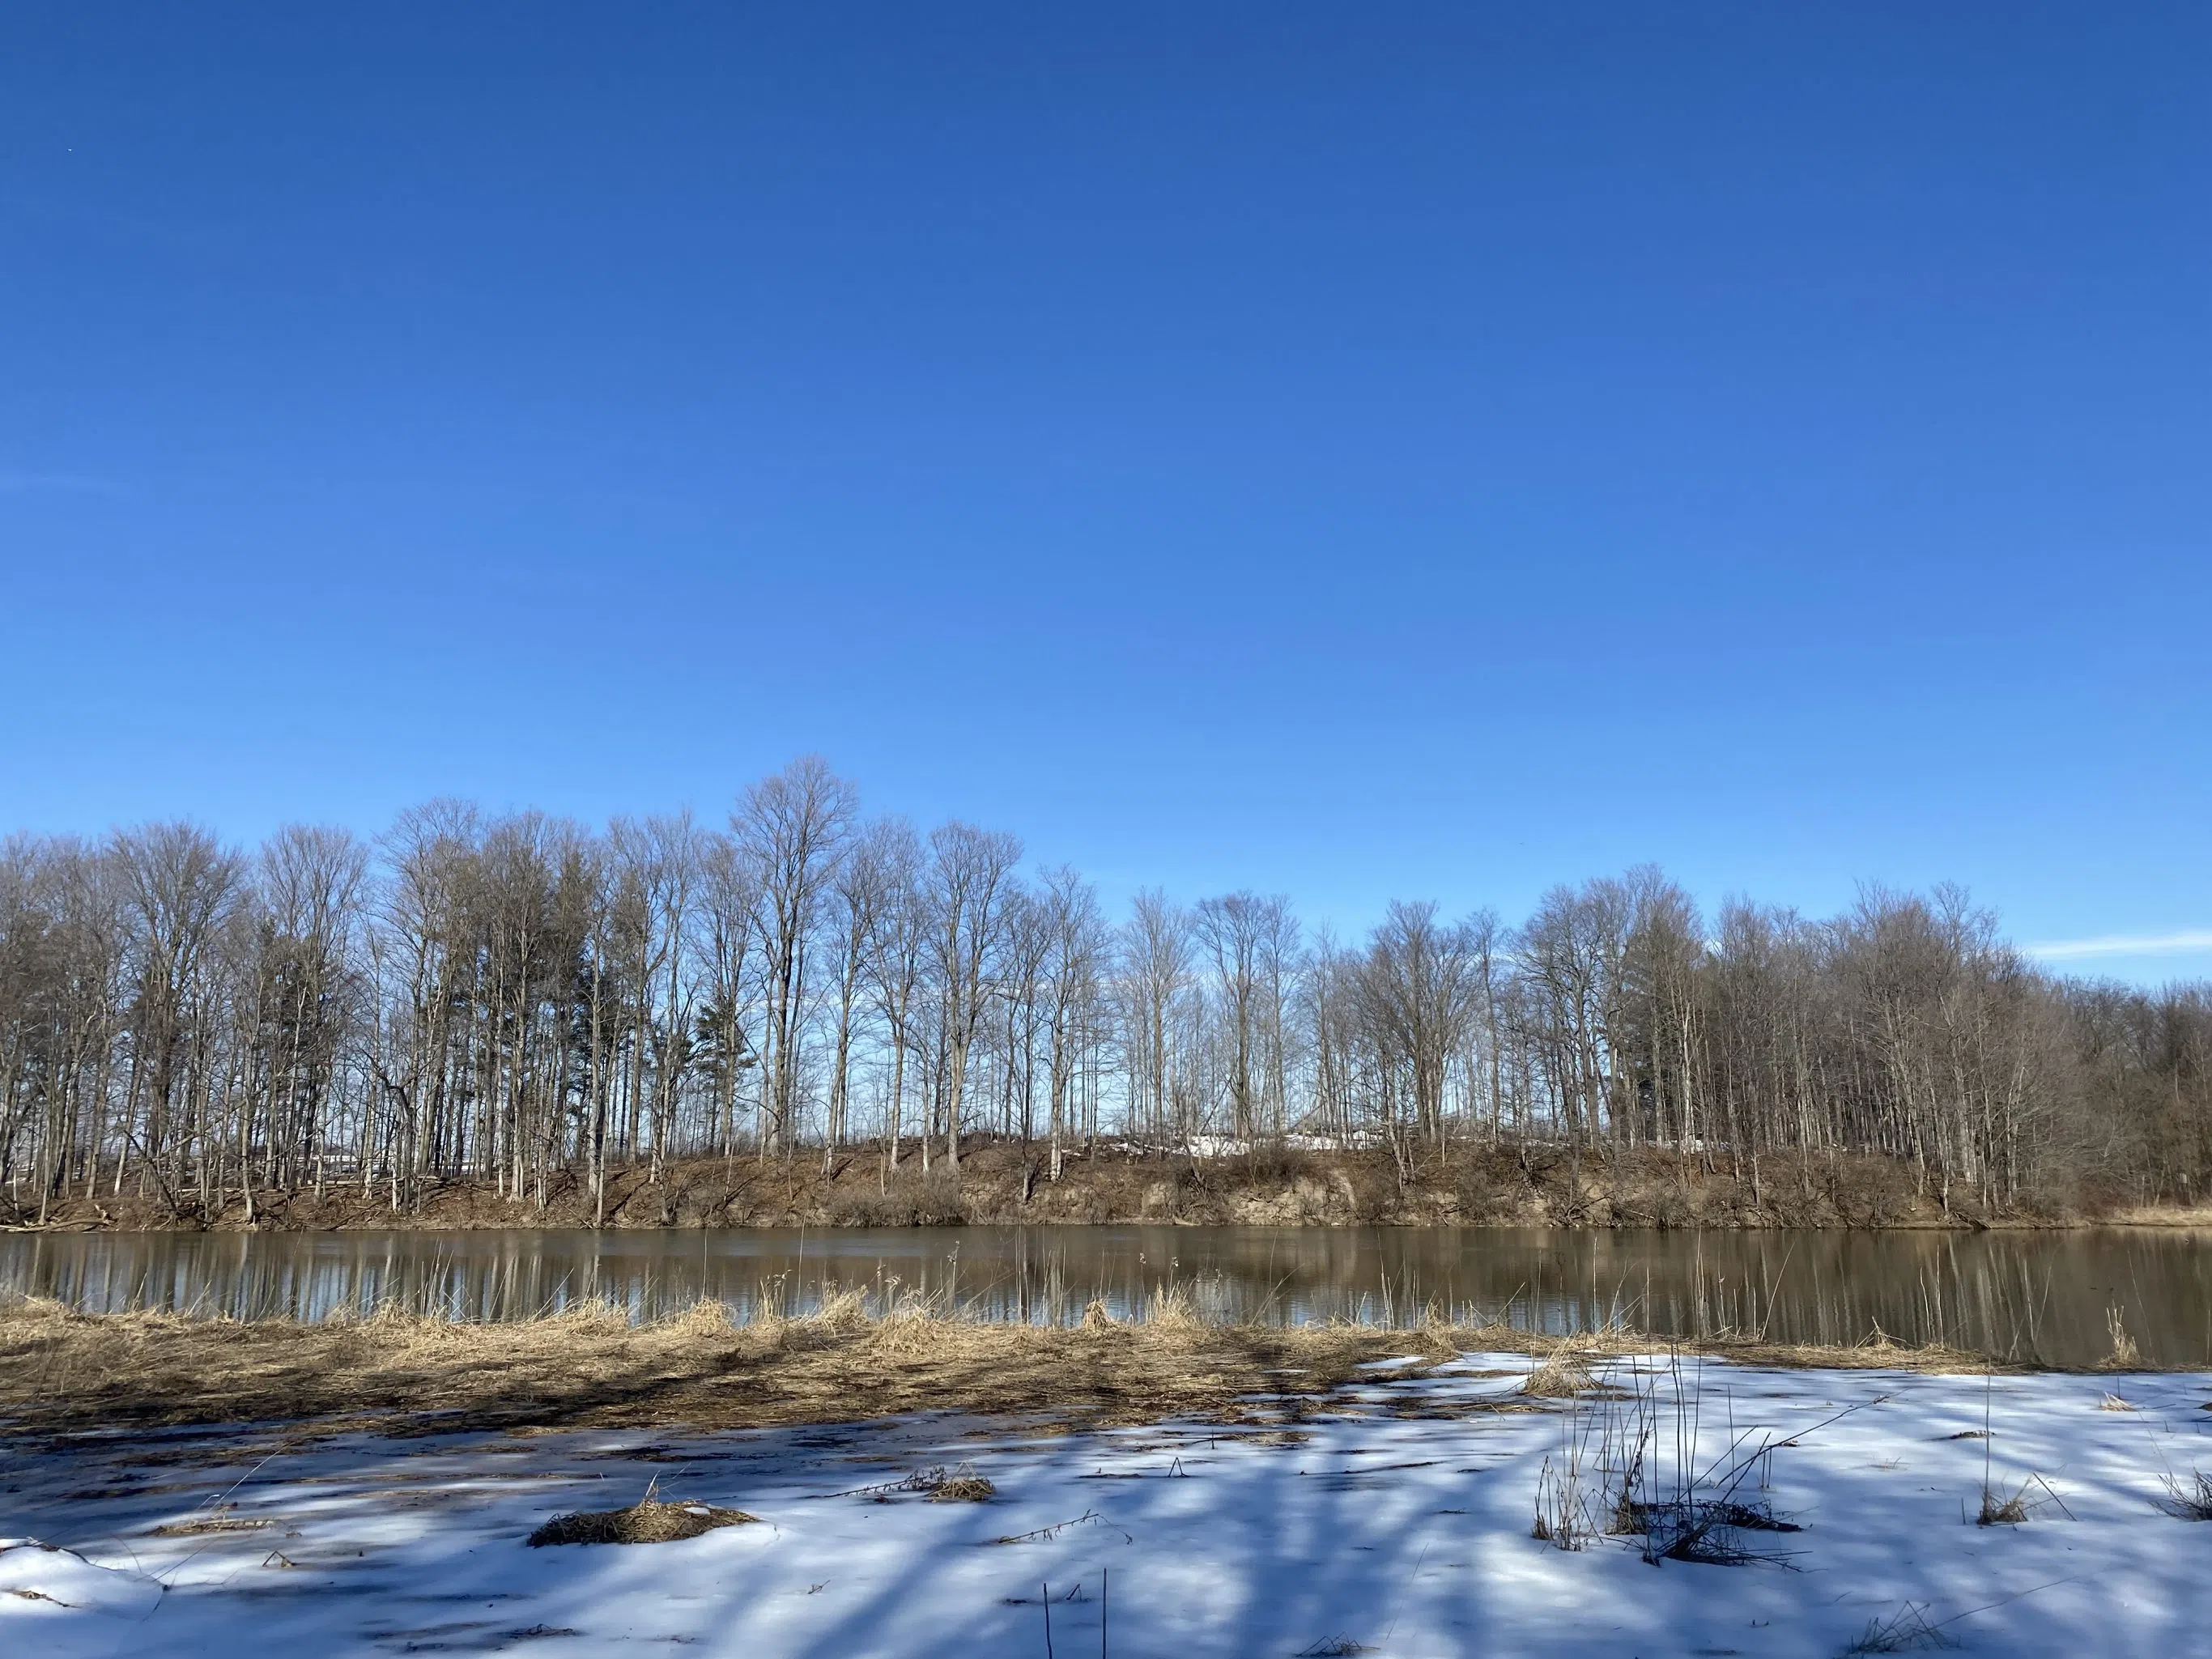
{"points": [[517, 999]]}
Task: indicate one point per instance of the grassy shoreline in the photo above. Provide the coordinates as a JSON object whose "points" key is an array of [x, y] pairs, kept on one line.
{"points": [[64, 1372]]}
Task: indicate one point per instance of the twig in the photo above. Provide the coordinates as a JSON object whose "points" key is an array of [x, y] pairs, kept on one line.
{"points": [[1058, 1527]]}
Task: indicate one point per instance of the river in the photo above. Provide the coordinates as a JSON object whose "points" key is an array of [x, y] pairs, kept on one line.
{"points": [[2045, 1296]]}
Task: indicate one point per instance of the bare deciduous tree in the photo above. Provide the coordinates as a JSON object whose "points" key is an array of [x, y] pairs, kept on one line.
{"points": [[509, 999]]}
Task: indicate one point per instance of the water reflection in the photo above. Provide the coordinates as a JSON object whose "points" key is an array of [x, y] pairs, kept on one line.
{"points": [[2045, 1296]]}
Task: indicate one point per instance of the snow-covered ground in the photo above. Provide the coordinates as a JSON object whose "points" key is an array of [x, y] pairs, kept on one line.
{"points": [[1395, 1518]]}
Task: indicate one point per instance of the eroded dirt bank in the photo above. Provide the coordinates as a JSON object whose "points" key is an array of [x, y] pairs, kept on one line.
{"points": [[1003, 1184]]}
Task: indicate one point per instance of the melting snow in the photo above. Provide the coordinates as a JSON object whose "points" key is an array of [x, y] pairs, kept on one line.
{"points": [[1393, 1519]]}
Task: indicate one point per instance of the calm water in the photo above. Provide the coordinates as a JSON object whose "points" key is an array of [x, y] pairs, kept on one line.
{"points": [[2036, 1295]]}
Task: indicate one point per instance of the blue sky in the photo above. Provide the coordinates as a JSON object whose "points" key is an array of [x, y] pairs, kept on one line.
{"points": [[1357, 452]]}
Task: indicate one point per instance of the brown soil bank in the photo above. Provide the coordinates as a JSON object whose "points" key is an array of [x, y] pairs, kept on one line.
{"points": [[996, 1184], [62, 1371]]}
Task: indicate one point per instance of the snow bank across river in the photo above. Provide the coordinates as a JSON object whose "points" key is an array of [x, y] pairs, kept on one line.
{"points": [[1393, 1519]]}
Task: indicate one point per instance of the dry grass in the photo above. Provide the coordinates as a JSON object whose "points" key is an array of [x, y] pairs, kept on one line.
{"points": [[200, 1525], [2162, 1215], [963, 1489], [1906, 1631], [590, 1367], [1998, 1512], [2190, 1499], [1565, 1375], [2035, 1494], [2126, 1356], [648, 1521]]}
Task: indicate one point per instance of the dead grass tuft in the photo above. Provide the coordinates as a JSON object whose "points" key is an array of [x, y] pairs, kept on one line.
{"points": [[707, 1318], [1171, 1310], [1999, 1510], [648, 1521], [963, 1489], [2190, 1500], [1565, 1375], [2002, 1512]]}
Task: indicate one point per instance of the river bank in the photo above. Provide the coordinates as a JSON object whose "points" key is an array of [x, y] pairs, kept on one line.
{"points": [[1527, 1186]]}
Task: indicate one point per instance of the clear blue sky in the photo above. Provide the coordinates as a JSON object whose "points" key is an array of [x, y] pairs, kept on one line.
{"points": [[1357, 451]]}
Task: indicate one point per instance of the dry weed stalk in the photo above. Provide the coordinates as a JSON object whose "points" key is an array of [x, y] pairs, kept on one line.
{"points": [[2190, 1500], [1632, 1462], [2125, 1356], [1905, 1630], [960, 1486]]}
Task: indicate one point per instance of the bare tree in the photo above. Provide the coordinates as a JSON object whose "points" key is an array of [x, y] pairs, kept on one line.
{"points": [[181, 884], [865, 884], [794, 829], [1156, 966], [1231, 931], [969, 872], [507, 1000], [729, 901], [899, 935], [1420, 994], [1076, 949]]}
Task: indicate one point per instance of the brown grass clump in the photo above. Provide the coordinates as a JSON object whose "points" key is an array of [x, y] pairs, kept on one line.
{"points": [[963, 1489], [1171, 1310], [1997, 1511], [648, 1521], [1564, 1376]]}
